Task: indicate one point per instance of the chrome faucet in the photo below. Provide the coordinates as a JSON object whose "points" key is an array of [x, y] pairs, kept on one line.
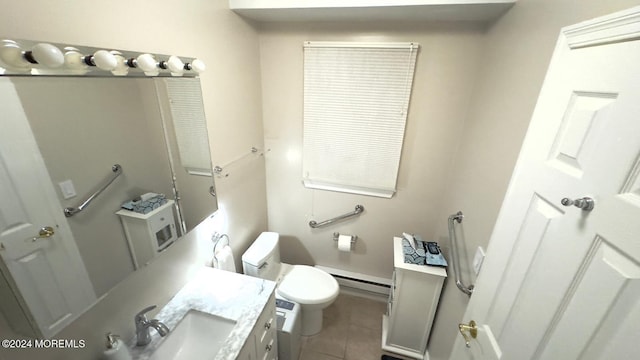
{"points": [[143, 324]]}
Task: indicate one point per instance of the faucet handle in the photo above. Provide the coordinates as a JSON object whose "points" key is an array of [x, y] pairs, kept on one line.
{"points": [[141, 315]]}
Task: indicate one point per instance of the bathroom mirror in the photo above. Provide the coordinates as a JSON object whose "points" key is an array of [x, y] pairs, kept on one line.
{"points": [[83, 127]]}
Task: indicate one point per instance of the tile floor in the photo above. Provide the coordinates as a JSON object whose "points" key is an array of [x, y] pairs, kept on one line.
{"points": [[352, 330]]}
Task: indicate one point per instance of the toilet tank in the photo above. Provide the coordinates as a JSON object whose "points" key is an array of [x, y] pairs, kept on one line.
{"points": [[262, 258]]}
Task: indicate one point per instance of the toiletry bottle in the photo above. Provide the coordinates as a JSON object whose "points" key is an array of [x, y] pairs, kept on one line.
{"points": [[116, 349]]}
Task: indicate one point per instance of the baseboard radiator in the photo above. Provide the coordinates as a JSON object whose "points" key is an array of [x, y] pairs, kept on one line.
{"points": [[359, 282]]}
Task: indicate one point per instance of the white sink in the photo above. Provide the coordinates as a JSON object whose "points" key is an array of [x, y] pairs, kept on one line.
{"points": [[197, 336]]}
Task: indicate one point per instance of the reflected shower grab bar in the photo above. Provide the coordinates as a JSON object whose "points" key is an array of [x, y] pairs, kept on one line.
{"points": [[359, 209], [70, 211], [455, 258]]}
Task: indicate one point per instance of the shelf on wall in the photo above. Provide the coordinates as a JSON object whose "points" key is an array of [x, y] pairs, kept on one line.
{"points": [[371, 10]]}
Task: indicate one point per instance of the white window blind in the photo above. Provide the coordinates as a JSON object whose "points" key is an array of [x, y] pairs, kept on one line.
{"points": [[356, 98], [187, 112]]}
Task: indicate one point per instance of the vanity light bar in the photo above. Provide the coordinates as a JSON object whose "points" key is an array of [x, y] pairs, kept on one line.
{"points": [[25, 57]]}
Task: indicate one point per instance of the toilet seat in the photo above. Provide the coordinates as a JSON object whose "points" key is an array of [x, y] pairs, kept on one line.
{"points": [[307, 285]]}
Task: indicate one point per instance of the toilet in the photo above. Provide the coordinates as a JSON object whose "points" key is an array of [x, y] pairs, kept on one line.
{"points": [[308, 286]]}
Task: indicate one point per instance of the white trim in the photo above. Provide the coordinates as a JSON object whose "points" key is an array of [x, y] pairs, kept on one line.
{"points": [[310, 184], [372, 10], [617, 27], [355, 275], [368, 45], [197, 172], [357, 284], [311, 4]]}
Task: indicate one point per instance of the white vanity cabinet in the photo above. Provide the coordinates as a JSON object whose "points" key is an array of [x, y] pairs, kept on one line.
{"points": [[262, 344], [148, 234], [248, 351], [247, 301], [413, 300]]}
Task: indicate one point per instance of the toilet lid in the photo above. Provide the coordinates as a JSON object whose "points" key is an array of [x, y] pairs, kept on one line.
{"points": [[308, 285]]}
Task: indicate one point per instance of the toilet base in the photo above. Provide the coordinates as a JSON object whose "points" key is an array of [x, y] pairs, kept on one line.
{"points": [[311, 321]]}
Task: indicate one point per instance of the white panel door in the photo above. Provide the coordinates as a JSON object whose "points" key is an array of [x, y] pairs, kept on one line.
{"points": [[560, 282], [48, 270]]}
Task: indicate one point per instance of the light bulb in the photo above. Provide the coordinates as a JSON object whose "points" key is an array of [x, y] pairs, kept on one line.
{"points": [[73, 59], [12, 56], [175, 65], [121, 69], [198, 66], [104, 60], [47, 55], [148, 64]]}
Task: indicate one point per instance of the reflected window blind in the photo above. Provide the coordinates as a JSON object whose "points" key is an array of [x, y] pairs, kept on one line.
{"points": [[187, 112], [356, 98]]}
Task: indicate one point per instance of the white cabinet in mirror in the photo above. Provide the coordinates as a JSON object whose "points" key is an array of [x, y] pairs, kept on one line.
{"points": [[71, 130]]}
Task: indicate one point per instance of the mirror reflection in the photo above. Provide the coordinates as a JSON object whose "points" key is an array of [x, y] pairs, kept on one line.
{"points": [[153, 128]]}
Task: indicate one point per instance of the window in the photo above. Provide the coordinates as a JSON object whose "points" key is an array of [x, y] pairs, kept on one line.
{"points": [[190, 125], [356, 98]]}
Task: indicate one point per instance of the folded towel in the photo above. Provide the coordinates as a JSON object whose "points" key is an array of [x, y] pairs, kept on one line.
{"points": [[411, 255], [223, 259], [145, 206]]}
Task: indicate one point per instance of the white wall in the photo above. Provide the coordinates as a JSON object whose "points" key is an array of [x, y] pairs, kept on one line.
{"points": [[445, 72], [474, 92], [232, 101], [517, 50], [508, 62]]}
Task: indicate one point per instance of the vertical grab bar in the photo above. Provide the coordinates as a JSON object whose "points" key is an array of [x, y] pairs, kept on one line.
{"points": [[456, 260], [70, 211]]}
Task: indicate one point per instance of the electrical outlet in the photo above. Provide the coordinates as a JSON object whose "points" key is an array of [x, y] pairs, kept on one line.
{"points": [[478, 259]]}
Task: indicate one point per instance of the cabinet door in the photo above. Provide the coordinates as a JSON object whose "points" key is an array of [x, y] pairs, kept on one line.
{"points": [[266, 332], [266, 335], [409, 322], [270, 350], [248, 351]]}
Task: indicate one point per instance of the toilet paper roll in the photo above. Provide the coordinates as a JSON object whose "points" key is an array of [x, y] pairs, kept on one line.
{"points": [[344, 243]]}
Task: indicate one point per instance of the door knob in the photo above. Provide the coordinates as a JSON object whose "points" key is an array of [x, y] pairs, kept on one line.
{"points": [[471, 328], [586, 203], [44, 233]]}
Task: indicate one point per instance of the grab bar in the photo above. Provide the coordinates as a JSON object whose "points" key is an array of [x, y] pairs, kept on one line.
{"points": [[359, 209], [456, 260], [70, 211]]}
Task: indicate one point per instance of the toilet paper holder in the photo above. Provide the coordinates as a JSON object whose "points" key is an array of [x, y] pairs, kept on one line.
{"points": [[336, 235]]}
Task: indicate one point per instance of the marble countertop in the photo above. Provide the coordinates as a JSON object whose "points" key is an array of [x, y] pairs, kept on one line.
{"points": [[229, 295]]}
